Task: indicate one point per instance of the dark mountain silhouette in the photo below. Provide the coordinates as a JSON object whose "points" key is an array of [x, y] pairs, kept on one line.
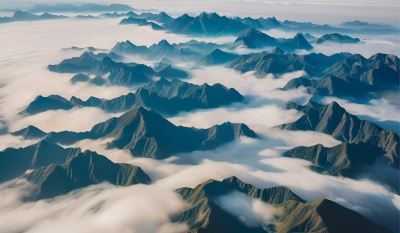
{"points": [[167, 97], [117, 15], [80, 171], [309, 37], [25, 16], [254, 23], [332, 119], [15, 162], [279, 62], [271, 23], [169, 72], [138, 131], [30, 132], [128, 48], [141, 22], [330, 85], [297, 42], [380, 69], [345, 159], [161, 50], [79, 78], [252, 38], [296, 215], [336, 37], [206, 24], [217, 57], [120, 73], [200, 47], [98, 81]]}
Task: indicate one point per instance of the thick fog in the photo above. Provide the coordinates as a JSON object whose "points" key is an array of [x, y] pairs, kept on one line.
{"points": [[28, 47]]}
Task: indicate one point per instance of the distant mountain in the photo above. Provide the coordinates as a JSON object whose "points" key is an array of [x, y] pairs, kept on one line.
{"points": [[252, 38], [90, 7], [130, 49], [380, 69], [15, 162], [200, 47], [296, 215], [330, 85], [253, 23], [298, 42], [359, 24], [80, 171], [120, 73], [271, 23], [166, 97], [25, 16], [79, 78], [161, 50], [332, 119], [206, 24], [279, 62], [98, 81], [162, 17], [217, 57], [309, 37], [169, 72], [336, 37], [90, 49], [117, 15], [141, 22], [30, 132], [138, 131]]}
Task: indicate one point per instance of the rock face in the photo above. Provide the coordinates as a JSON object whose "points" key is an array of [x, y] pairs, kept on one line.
{"points": [[296, 215], [330, 85], [217, 57], [138, 131], [166, 97], [252, 38], [344, 159], [15, 162], [337, 38], [332, 119], [379, 70], [80, 171], [279, 62], [298, 42], [141, 22], [120, 73], [206, 24]]}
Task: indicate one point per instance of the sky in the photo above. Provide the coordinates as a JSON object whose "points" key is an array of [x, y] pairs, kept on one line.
{"points": [[321, 12]]}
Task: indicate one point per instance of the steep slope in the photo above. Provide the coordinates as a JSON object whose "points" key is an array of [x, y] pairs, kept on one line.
{"points": [[128, 48], [166, 97], [217, 57], [330, 85], [170, 72], [145, 133], [295, 215], [205, 24], [344, 159], [252, 38], [15, 162], [379, 70], [297, 42], [332, 119], [337, 38], [84, 169]]}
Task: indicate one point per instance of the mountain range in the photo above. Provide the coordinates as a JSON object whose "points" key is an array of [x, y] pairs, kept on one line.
{"points": [[166, 97], [14, 162], [80, 171], [121, 74], [25, 16], [145, 133], [379, 70], [141, 22], [277, 61], [337, 38], [217, 57], [205, 213], [334, 120], [342, 87]]}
